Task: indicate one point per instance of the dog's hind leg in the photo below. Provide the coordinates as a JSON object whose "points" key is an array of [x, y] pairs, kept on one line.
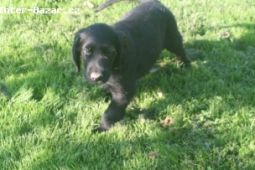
{"points": [[175, 45]]}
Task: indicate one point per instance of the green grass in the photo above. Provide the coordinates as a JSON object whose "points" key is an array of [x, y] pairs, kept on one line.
{"points": [[47, 111]]}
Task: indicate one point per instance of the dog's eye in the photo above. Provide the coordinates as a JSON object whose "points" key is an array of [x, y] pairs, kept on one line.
{"points": [[88, 50]]}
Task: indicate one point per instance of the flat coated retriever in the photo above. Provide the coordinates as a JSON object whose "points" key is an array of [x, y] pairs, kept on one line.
{"points": [[116, 56]]}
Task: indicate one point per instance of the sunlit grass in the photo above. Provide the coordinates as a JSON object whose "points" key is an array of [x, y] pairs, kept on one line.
{"points": [[47, 111]]}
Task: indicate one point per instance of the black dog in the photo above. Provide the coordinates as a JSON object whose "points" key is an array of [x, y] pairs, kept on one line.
{"points": [[117, 56]]}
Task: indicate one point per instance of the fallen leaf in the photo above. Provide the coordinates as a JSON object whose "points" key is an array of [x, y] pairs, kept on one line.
{"points": [[225, 35], [153, 155], [168, 121]]}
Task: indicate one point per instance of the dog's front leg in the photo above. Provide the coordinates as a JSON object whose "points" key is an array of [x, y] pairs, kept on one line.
{"points": [[116, 110]]}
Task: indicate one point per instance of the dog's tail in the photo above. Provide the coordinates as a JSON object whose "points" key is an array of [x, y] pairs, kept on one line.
{"points": [[110, 2], [106, 4]]}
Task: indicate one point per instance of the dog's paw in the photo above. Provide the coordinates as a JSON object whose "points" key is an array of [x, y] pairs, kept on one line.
{"points": [[99, 129]]}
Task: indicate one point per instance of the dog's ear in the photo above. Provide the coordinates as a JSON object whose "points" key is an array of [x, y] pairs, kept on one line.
{"points": [[117, 59], [122, 44], [76, 51]]}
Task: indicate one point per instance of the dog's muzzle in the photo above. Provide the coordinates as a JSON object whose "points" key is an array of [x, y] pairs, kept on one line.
{"points": [[95, 76], [98, 77]]}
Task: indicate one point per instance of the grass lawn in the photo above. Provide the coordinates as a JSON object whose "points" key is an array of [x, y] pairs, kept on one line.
{"points": [[199, 118]]}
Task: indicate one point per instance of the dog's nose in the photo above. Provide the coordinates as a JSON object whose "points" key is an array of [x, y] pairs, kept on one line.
{"points": [[95, 76]]}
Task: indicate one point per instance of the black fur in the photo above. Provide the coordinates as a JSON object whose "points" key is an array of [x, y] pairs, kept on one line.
{"points": [[117, 56]]}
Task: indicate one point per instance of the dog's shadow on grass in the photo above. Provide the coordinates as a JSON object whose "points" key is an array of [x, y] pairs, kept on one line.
{"points": [[222, 68], [218, 86]]}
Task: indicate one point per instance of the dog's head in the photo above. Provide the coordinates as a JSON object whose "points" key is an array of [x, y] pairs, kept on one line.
{"points": [[98, 46]]}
